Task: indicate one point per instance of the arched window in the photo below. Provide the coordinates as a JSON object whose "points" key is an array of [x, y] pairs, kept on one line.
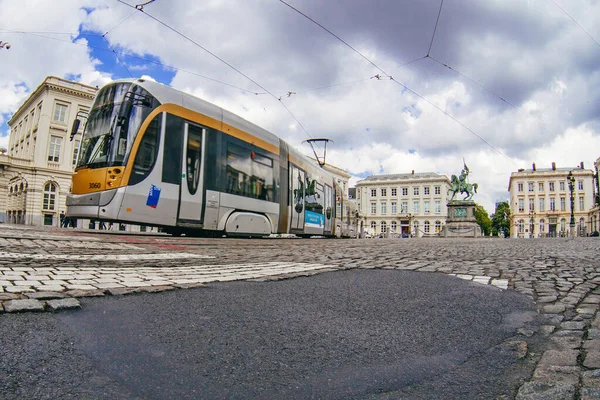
{"points": [[438, 226], [49, 196], [393, 226], [426, 226], [542, 223], [383, 226]]}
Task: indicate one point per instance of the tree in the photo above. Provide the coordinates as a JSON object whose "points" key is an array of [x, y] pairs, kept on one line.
{"points": [[483, 219], [501, 220]]}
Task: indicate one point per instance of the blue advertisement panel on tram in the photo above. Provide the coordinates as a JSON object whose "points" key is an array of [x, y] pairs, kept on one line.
{"points": [[314, 220]]}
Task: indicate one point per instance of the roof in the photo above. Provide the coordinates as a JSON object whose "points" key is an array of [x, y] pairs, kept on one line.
{"points": [[400, 177]]}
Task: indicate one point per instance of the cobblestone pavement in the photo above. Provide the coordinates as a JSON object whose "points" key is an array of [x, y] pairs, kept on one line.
{"points": [[49, 269]]}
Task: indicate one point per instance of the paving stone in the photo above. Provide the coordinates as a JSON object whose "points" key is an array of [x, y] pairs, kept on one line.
{"points": [[593, 333], [588, 393], [553, 308], [571, 325], [591, 344], [591, 378], [559, 357], [63, 304], [564, 343], [9, 296], [23, 305], [546, 391], [45, 295], [557, 373], [546, 299], [121, 291], [516, 347], [85, 293], [592, 359]]}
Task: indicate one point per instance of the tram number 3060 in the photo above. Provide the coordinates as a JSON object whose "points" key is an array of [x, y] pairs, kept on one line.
{"points": [[95, 185]]}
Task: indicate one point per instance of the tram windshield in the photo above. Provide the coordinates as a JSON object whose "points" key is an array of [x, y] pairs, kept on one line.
{"points": [[113, 123]]}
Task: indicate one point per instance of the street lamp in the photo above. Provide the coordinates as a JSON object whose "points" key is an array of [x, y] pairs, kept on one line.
{"points": [[531, 223], [571, 181]]}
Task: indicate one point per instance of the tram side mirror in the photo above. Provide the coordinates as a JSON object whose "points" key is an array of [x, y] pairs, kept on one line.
{"points": [[74, 128]]}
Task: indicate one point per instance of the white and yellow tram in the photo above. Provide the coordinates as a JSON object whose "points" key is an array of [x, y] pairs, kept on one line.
{"points": [[153, 155]]}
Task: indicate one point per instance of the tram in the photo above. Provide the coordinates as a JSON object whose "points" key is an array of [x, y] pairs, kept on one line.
{"points": [[152, 155]]}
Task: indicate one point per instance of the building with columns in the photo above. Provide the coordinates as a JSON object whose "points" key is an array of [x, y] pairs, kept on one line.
{"points": [[540, 201], [38, 164], [412, 204]]}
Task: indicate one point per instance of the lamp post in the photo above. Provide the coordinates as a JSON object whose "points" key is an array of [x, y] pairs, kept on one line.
{"points": [[531, 223], [571, 181]]}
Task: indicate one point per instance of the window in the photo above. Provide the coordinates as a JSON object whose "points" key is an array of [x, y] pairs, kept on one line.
{"points": [[541, 186], [415, 227], [551, 186], [373, 192], [581, 203], [580, 185], [530, 186], [519, 187], [552, 204], [563, 225], [438, 226], [521, 226], [542, 225], [393, 226], [49, 196], [147, 152], [394, 208], [426, 226], [437, 190], [531, 204], [383, 227], [426, 208], [373, 208], [404, 191], [542, 204], [54, 148], [383, 207], [404, 207], [373, 226], [193, 160], [416, 191], [438, 207], [250, 174], [75, 151], [521, 205], [60, 112], [383, 192], [394, 192], [416, 206], [561, 186], [426, 190], [563, 203]]}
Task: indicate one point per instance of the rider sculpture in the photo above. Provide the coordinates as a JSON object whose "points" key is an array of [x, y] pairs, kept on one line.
{"points": [[460, 185]]}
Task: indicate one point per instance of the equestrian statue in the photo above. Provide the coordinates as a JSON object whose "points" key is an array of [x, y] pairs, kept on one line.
{"points": [[459, 184]]}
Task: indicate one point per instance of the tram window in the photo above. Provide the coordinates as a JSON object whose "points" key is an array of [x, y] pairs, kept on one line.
{"points": [[147, 152], [193, 157], [173, 152], [249, 174]]}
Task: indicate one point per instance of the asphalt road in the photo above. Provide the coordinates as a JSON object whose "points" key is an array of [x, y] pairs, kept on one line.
{"points": [[356, 334]]}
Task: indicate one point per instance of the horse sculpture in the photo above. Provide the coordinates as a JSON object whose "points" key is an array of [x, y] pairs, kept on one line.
{"points": [[461, 185]]}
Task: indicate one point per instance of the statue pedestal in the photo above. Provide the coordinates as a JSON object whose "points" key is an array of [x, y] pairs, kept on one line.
{"points": [[461, 220]]}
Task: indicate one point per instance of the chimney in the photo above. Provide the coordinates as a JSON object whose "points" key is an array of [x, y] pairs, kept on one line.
{"points": [[533, 166], [553, 166], [581, 165]]}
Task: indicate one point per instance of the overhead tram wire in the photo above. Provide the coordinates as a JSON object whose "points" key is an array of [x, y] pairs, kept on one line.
{"points": [[398, 82], [117, 56], [574, 20], [141, 9], [435, 28]]}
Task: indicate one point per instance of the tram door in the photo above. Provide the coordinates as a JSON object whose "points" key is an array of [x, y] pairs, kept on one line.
{"points": [[329, 211], [192, 174], [297, 180]]}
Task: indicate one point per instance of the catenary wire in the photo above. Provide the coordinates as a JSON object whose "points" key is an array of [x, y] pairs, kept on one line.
{"points": [[218, 58], [398, 82], [116, 55], [435, 28], [574, 20]]}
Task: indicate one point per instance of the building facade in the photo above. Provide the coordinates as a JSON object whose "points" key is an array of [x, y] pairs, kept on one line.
{"points": [[37, 170], [540, 201], [595, 211], [411, 204]]}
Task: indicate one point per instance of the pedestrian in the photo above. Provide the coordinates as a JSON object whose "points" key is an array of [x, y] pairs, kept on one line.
{"points": [[102, 225], [110, 226], [62, 219]]}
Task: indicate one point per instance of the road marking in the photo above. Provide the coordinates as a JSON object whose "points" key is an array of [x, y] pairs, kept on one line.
{"points": [[107, 257]]}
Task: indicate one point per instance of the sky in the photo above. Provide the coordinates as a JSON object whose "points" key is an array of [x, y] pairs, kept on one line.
{"points": [[397, 85]]}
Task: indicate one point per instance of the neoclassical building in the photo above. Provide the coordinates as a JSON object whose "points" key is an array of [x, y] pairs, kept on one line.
{"points": [[37, 166], [540, 201], [403, 204]]}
